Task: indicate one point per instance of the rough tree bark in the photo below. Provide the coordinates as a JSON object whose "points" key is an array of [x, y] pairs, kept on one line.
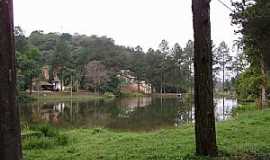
{"points": [[264, 84], [204, 105], [10, 148]]}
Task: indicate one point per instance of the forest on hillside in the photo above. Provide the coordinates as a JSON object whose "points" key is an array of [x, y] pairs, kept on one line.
{"points": [[94, 62]]}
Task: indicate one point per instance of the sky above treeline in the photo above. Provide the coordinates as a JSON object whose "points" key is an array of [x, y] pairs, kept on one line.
{"points": [[128, 22]]}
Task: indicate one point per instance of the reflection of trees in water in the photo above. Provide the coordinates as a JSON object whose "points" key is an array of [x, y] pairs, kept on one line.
{"points": [[88, 114], [223, 108], [129, 105], [146, 113], [41, 112], [73, 114], [185, 113], [158, 114]]}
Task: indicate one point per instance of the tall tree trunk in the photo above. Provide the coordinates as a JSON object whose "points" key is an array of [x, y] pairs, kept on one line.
{"points": [[161, 85], [223, 73], [77, 86], [138, 86], [10, 145], [189, 78], [204, 105], [263, 85], [61, 82], [31, 86]]}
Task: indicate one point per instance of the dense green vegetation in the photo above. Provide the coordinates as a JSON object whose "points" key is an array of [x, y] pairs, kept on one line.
{"points": [[245, 136], [93, 62], [252, 19]]}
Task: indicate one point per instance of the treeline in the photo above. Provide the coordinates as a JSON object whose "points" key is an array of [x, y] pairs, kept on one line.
{"points": [[252, 19], [93, 62]]}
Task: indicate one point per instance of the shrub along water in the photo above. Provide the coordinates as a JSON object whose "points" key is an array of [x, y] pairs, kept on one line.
{"points": [[47, 137]]}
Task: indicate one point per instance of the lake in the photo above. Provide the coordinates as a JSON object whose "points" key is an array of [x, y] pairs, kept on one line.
{"points": [[122, 114]]}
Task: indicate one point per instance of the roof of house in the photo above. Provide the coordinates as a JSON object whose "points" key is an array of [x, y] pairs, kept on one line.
{"points": [[44, 83]]}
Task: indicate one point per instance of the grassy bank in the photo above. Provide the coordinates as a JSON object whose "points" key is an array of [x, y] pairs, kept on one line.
{"points": [[244, 137], [76, 96], [66, 96], [131, 94]]}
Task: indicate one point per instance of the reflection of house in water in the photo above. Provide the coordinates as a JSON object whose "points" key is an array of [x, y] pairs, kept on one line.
{"points": [[130, 84], [135, 102], [48, 113], [129, 105], [59, 107], [141, 113], [184, 115]]}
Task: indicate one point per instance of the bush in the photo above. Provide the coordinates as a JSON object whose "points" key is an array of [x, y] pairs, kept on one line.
{"points": [[248, 85], [62, 139], [97, 131], [46, 130], [244, 108], [49, 137]]}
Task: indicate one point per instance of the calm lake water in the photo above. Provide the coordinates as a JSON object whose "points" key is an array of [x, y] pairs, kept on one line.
{"points": [[125, 114]]}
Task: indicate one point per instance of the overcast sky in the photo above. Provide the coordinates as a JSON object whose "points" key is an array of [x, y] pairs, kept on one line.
{"points": [[128, 22]]}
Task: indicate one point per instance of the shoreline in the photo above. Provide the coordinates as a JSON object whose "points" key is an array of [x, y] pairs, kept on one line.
{"points": [[246, 135]]}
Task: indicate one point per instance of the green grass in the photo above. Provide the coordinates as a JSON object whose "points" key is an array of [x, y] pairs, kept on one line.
{"points": [[67, 97], [43, 137], [245, 107], [244, 137]]}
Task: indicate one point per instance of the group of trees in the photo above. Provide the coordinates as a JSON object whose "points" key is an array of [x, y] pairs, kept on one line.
{"points": [[252, 17], [93, 62]]}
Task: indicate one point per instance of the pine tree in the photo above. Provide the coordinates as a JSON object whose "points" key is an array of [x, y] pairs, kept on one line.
{"points": [[204, 105], [9, 116]]}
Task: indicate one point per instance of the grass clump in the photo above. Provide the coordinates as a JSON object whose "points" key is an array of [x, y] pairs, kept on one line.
{"points": [[245, 107], [38, 143], [97, 131], [46, 130], [47, 137]]}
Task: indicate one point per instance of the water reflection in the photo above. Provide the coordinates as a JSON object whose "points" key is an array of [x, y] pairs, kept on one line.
{"points": [[132, 114], [223, 108]]}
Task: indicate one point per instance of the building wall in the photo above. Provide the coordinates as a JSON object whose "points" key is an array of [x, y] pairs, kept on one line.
{"points": [[133, 87], [45, 72]]}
